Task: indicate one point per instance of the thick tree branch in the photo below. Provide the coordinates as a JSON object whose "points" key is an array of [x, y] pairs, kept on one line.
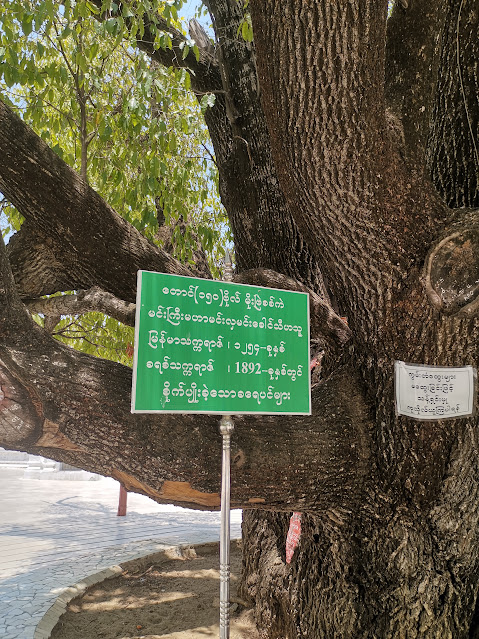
{"points": [[92, 243], [36, 263], [8, 288], [19, 410], [350, 82], [412, 59], [320, 150], [324, 323], [205, 75], [20, 413], [313, 462], [263, 227], [93, 300], [200, 37]]}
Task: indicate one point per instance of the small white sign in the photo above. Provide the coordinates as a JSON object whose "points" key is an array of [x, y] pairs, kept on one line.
{"points": [[432, 392]]}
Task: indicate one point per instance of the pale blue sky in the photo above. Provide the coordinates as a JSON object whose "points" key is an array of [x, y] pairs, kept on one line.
{"points": [[188, 12]]}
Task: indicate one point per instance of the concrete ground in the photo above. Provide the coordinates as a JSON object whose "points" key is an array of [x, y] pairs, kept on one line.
{"points": [[54, 534]]}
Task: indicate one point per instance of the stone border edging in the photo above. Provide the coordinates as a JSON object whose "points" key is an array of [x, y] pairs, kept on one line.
{"points": [[50, 619], [53, 614]]}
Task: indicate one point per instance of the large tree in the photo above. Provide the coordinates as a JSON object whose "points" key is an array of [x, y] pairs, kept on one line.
{"points": [[346, 143]]}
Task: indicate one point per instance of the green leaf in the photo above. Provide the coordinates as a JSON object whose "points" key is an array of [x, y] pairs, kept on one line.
{"points": [[247, 31], [93, 8], [27, 24], [58, 150], [107, 132], [93, 51], [125, 11], [65, 33], [10, 75], [207, 100], [81, 61], [185, 126], [63, 72], [111, 25]]}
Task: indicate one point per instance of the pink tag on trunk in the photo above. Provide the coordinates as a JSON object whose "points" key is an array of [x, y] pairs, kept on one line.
{"points": [[294, 534]]}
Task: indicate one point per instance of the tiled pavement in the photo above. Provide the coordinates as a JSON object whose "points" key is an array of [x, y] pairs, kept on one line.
{"points": [[54, 534]]}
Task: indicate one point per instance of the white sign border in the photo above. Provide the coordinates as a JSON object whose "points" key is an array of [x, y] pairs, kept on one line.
{"points": [[135, 347], [472, 390], [207, 412]]}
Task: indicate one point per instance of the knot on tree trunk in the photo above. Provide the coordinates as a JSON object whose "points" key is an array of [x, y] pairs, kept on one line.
{"points": [[452, 269]]}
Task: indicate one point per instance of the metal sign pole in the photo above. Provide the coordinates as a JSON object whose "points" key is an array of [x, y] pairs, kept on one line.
{"points": [[226, 430]]}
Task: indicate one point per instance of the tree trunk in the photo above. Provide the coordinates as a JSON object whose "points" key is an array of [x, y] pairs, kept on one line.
{"points": [[326, 131], [405, 562], [391, 571]]}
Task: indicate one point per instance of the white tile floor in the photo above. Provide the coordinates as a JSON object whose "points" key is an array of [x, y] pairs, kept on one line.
{"points": [[56, 533]]}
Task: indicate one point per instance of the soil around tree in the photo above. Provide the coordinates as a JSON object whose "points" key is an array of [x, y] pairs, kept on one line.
{"points": [[168, 595]]}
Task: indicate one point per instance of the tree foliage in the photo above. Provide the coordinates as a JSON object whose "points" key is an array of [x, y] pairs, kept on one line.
{"points": [[132, 128], [84, 90], [344, 137]]}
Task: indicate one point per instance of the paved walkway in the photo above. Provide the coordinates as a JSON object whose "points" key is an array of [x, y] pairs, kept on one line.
{"points": [[54, 534]]}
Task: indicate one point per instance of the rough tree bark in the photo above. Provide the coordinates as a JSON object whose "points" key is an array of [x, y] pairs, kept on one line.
{"points": [[421, 474], [341, 141]]}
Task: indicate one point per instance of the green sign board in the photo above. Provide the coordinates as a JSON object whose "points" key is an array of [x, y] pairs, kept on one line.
{"points": [[203, 346]]}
